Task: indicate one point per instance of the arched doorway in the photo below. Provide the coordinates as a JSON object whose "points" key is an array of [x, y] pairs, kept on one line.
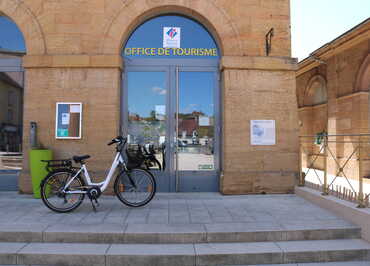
{"points": [[171, 99]]}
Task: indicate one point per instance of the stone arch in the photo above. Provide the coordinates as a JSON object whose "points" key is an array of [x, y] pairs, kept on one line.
{"points": [[138, 11], [363, 76], [315, 91], [23, 17]]}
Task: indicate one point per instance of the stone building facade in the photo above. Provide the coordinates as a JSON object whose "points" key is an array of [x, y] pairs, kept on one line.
{"points": [[74, 50], [333, 96]]}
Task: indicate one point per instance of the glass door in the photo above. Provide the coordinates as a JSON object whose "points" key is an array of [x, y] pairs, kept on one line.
{"points": [[174, 106], [146, 117], [196, 129]]}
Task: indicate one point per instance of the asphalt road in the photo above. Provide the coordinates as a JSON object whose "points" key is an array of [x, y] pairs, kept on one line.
{"points": [[9, 180]]}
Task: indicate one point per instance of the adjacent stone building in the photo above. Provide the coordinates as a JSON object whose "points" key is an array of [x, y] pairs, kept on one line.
{"points": [[75, 55], [333, 96]]}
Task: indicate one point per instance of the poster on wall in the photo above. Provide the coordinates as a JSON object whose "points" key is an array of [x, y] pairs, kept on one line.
{"points": [[68, 120], [171, 37], [263, 132]]}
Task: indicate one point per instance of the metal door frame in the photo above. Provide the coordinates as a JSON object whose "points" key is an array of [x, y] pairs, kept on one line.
{"points": [[169, 67]]}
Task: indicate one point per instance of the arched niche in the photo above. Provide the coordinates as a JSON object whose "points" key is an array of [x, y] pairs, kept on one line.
{"points": [[363, 76], [316, 91]]}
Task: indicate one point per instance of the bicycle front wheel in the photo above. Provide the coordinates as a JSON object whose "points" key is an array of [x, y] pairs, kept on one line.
{"points": [[52, 191], [135, 187]]}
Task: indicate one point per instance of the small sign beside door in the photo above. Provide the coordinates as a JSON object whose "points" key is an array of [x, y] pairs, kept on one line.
{"points": [[262, 132]]}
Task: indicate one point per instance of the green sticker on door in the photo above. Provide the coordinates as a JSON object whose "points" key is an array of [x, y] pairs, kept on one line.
{"points": [[205, 166]]}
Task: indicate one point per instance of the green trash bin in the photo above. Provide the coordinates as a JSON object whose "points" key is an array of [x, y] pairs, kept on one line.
{"points": [[38, 171]]}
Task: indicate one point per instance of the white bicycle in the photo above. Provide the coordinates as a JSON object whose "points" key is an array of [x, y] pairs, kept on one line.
{"points": [[65, 187]]}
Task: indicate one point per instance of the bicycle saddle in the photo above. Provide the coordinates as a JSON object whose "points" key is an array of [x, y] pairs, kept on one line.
{"points": [[79, 159]]}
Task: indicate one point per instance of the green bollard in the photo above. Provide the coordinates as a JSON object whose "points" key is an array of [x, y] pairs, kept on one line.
{"points": [[38, 171]]}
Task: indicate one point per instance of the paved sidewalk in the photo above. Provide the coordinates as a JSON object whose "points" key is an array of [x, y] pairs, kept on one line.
{"points": [[9, 180], [257, 211]]}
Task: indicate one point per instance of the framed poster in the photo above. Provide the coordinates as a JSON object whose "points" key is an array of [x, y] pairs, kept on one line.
{"points": [[263, 132], [68, 120]]}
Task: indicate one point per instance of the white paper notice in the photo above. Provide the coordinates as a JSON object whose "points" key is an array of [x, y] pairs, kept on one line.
{"points": [[75, 108], [160, 112], [204, 121], [65, 118], [171, 37], [263, 132]]}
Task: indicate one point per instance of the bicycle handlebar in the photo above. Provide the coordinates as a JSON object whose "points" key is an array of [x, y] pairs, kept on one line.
{"points": [[118, 139]]}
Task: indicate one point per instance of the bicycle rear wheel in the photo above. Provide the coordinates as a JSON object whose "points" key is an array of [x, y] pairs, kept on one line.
{"points": [[52, 195], [135, 187]]}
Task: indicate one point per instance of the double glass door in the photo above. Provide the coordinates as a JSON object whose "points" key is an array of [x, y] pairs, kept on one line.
{"points": [[174, 109]]}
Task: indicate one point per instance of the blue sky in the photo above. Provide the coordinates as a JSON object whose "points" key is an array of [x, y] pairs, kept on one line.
{"points": [[316, 22]]}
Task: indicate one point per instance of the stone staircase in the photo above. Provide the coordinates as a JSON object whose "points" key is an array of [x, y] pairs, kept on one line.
{"points": [[181, 244]]}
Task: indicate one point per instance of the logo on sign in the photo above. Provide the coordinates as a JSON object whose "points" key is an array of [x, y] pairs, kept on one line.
{"points": [[171, 37], [172, 33]]}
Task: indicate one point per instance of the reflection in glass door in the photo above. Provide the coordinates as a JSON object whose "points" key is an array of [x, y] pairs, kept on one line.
{"points": [[147, 117], [195, 160]]}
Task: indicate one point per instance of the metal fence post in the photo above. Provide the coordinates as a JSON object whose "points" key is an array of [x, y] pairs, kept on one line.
{"points": [[360, 199], [300, 163], [325, 185]]}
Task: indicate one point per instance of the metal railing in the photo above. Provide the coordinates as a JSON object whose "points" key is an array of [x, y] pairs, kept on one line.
{"points": [[337, 165]]}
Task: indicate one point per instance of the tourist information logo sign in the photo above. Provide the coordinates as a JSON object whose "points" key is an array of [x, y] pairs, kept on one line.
{"points": [[171, 37]]}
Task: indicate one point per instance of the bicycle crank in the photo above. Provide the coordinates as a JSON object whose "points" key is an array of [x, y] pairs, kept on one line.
{"points": [[94, 193]]}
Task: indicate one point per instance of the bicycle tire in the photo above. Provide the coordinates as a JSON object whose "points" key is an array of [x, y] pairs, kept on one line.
{"points": [[143, 187], [51, 195]]}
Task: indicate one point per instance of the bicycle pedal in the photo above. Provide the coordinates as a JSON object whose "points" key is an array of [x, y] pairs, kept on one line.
{"points": [[93, 205], [97, 203]]}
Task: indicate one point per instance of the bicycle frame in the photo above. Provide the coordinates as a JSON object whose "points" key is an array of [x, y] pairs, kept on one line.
{"points": [[102, 185]]}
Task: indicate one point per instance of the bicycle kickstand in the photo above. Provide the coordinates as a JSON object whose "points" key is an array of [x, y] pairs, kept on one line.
{"points": [[94, 205]]}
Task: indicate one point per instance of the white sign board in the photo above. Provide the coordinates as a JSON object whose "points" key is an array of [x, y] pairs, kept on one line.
{"points": [[160, 112], [263, 132], [75, 108], [171, 37]]}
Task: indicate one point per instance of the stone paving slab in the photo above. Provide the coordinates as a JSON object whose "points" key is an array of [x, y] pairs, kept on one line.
{"points": [[96, 233], [324, 250], [165, 233], [151, 255], [237, 253], [346, 263], [22, 232], [63, 254], [8, 252]]}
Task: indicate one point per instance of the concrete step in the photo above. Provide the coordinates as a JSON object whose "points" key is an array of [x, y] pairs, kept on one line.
{"points": [[253, 253], [171, 233], [337, 263]]}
